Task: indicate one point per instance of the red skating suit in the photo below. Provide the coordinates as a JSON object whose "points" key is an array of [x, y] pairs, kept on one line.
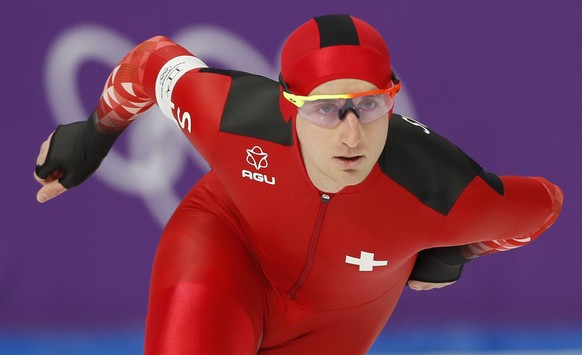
{"points": [[257, 260]]}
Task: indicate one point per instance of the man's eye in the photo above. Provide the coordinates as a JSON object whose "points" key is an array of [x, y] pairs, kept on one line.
{"points": [[367, 104], [327, 109]]}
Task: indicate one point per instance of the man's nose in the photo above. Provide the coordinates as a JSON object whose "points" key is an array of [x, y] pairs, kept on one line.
{"points": [[350, 126]]}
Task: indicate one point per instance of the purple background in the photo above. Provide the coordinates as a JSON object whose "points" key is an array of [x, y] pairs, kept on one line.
{"points": [[503, 80]]}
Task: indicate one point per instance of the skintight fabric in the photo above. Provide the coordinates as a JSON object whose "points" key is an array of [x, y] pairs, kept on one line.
{"points": [[257, 260]]}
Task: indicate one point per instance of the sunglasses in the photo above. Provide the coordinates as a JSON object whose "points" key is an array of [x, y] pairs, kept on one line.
{"points": [[330, 110]]}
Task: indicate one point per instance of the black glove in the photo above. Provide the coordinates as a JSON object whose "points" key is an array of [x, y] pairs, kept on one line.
{"points": [[438, 265], [76, 149]]}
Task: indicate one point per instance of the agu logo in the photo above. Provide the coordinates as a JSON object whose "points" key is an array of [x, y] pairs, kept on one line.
{"points": [[258, 159]]}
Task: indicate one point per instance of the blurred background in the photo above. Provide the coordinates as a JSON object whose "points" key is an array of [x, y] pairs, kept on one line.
{"points": [[501, 79]]}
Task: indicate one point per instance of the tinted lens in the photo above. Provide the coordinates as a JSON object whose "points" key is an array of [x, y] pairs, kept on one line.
{"points": [[326, 112], [322, 112]]}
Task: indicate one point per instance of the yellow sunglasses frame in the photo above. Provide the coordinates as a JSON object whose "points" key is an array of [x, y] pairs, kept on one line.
{"points": [[299, 100]]}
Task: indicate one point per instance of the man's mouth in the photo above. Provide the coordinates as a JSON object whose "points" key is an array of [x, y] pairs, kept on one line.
{"points": [[349, 160], [354, 158]]}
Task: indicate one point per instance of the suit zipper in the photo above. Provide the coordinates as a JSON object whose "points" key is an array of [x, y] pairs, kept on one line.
{"points": [[325, 198]]}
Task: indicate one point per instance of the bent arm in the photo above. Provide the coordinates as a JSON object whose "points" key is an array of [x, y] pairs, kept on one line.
{"points": [[484, 221], [530, 205], [130, 88], [146, 75], [159, 71]]}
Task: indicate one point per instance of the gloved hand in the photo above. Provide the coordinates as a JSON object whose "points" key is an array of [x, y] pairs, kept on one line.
{"points": [[70, 155], [438, 265]]}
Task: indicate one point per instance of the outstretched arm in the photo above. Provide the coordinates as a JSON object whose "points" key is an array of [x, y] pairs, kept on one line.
{"points": [[73, 152]]}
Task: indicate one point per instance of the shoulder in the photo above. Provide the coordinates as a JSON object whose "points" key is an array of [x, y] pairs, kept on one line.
{"points": [[252, 108], [428, 165]]}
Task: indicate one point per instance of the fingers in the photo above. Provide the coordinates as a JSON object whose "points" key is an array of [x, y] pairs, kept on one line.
{"points": [[425, 286], [39, 180], [51, 186], [50, 190], [41, 158], [416, 285], [55, 175]]}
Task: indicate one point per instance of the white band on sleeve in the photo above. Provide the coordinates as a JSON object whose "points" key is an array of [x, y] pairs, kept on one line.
{"points": [[169, 75]]}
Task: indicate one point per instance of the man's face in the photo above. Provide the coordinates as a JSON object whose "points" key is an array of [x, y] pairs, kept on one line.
{"points": [[344, 155]]}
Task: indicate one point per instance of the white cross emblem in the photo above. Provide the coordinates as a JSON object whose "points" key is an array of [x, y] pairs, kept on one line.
{"points": [[366, 261]]}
